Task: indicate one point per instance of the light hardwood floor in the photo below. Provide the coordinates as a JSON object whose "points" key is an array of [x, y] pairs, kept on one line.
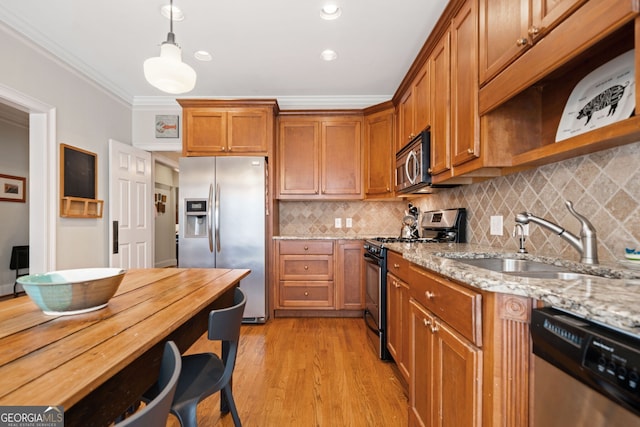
{"points": [[308, 372]]}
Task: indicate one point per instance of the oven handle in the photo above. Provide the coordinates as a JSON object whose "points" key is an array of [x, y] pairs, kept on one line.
{"points": [[372, 259], [367, 315]]}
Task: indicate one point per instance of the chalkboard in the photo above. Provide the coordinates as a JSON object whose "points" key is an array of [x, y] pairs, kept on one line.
{"points": [[78, 172]]}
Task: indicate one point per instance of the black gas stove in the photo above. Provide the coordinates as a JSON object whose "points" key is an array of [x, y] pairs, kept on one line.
{"points": [[442, 226]]}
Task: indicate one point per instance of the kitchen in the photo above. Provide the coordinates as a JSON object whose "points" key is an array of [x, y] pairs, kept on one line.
{"points": [[601, 184]]}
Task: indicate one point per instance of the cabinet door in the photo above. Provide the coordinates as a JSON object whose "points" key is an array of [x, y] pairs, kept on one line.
{"points": [[349, 276], [298, 148], [457, 381], [465, 130], [504, 26], [422, 100], [440, 104], [341, 151], [247, 131], [549, 13], [205, 130], [421, 399], [405, 119], [379, 155]]}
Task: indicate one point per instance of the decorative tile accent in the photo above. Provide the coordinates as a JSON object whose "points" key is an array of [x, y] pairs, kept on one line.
{"points": [[603, 186]]}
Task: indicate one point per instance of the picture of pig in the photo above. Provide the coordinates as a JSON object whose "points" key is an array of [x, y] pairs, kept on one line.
{"points": [[608, 98]]}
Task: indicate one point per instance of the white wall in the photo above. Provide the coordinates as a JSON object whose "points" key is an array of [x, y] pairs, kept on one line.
{"points": [[166, 181], [14, 216], [86, 117]]}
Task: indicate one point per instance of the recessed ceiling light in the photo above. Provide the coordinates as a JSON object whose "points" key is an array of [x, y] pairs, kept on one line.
{"points": [[329, 55], [330, 11], [203, 55], [177, 13]]}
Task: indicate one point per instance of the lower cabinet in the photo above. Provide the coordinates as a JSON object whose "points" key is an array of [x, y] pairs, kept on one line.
{"points": [[318, 274], [398, 322], [445, 387]]}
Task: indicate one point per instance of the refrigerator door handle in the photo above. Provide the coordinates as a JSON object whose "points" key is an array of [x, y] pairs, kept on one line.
{"points": [[217, 217], [210, 219]]}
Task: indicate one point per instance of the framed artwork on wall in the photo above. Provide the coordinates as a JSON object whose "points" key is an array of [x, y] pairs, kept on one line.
{"points": [[166, 126], [12, 188]]}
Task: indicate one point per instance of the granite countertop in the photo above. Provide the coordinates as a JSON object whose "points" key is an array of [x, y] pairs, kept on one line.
{"points": [[612, 300], [323, 237]]}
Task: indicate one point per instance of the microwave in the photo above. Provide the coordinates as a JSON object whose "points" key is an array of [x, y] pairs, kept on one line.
{"points": [[412, 166]]}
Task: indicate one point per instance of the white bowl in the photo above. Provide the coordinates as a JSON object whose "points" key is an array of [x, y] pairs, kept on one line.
{"points": [[72, 291]]}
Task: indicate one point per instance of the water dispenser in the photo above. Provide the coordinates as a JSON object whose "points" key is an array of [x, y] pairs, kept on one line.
{"points": [[195, 218]]}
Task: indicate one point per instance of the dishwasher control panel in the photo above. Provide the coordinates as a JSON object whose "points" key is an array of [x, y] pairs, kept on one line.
{"points": [[603, 358]]}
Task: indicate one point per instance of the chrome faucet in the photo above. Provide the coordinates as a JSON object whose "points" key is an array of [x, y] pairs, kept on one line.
{"points": [[586, 244], [519, 227]]}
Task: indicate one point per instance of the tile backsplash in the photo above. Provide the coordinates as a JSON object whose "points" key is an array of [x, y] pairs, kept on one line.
{"points": [[603, 186]]}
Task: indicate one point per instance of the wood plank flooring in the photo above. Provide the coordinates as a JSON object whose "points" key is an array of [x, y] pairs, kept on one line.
{"points": [[308, 372]]}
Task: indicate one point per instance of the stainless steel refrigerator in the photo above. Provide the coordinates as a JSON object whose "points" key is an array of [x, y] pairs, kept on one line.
{"points": [[222, 217]]}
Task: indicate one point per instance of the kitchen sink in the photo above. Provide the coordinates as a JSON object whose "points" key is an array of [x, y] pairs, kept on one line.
{"points": [[511, 265], [524, 268]]}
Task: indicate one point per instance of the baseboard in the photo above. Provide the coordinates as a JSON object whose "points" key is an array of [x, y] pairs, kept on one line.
{"points": [[7, 289], [167, 263]]}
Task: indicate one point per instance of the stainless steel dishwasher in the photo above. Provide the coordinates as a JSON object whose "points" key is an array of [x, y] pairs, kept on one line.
{"points": [[585, 374]]}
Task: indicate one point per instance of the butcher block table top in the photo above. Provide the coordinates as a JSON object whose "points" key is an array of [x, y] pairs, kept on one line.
{"points": [[96, 364]]}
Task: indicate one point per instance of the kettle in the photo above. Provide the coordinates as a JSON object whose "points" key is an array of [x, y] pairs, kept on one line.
{"points": [[408, 230]]}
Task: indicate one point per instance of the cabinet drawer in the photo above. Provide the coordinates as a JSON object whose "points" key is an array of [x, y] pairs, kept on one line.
{"points": [[306, 247], [398, 266], [302, 294], [309, 267], [456, 305]]}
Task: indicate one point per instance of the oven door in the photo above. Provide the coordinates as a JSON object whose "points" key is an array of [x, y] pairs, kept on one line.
{"points": [[375, 312]]}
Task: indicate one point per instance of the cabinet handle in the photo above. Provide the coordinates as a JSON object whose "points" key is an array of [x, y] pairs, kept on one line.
{"points": [[470, 150], [429, 295], [396, 284], [522, 42], [426, 322], [396, 265], [306, 267], [534, 31]]}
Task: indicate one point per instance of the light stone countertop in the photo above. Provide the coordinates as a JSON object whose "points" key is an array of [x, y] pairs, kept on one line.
{"points": [[323, 237], [613, 300]]}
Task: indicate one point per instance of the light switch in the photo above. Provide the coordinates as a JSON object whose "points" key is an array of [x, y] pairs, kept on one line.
{"points": [[338, 222], [348, 223], [496, 225]]}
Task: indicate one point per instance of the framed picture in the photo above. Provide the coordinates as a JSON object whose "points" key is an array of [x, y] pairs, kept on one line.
{"points": [[12, 188], [166, 126]]}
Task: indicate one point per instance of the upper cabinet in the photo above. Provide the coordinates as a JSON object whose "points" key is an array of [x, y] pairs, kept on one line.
{"points": [[319, 157], [508, 28], [222, 128], [440, 73], [379, 153], [414, 108]]}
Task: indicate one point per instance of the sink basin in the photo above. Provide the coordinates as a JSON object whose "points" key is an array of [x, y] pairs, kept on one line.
{"points": [[511, 265], [562, 275]]}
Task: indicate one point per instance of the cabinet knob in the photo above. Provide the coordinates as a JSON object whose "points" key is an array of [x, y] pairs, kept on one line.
{"points": [[306, 294], [306, 248], [396, 284], [396, 265], [224, 149], [306, 267], [388, 189], [429, 170], [434, 328], [429, 295], [426, 322], [534, 31], [470, 150], [522, 42]]}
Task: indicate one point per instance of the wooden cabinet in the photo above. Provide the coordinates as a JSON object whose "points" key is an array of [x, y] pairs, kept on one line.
{"points": [[508, 28], [305, 278], [349, 277], [379, 154], [446, 385], [398, 313], [320, 157], [219, 128], [441, 109], [414, 108]]}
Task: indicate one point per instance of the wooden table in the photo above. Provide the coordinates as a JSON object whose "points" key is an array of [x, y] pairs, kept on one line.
{"points": [[96, 364]]}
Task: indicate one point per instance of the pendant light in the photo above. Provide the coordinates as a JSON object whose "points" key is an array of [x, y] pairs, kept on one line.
{"points": [[167, 72]]}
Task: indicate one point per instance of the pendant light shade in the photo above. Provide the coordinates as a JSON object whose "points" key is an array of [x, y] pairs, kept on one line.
{"points": [[167, 72]]}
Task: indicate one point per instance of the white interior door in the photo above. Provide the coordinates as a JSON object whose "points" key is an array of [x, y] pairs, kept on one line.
{"points": [[130, 207]]}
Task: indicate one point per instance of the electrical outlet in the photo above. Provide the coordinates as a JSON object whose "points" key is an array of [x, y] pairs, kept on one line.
{"points": [[496, 225], [348, 223], [338, 223]]}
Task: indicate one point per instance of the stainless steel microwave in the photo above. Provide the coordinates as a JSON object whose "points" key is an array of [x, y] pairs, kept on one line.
{"points": [[412, 165]]}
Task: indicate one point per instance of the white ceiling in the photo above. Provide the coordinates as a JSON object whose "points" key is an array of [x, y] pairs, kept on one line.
{"points": [[260, 48]]}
